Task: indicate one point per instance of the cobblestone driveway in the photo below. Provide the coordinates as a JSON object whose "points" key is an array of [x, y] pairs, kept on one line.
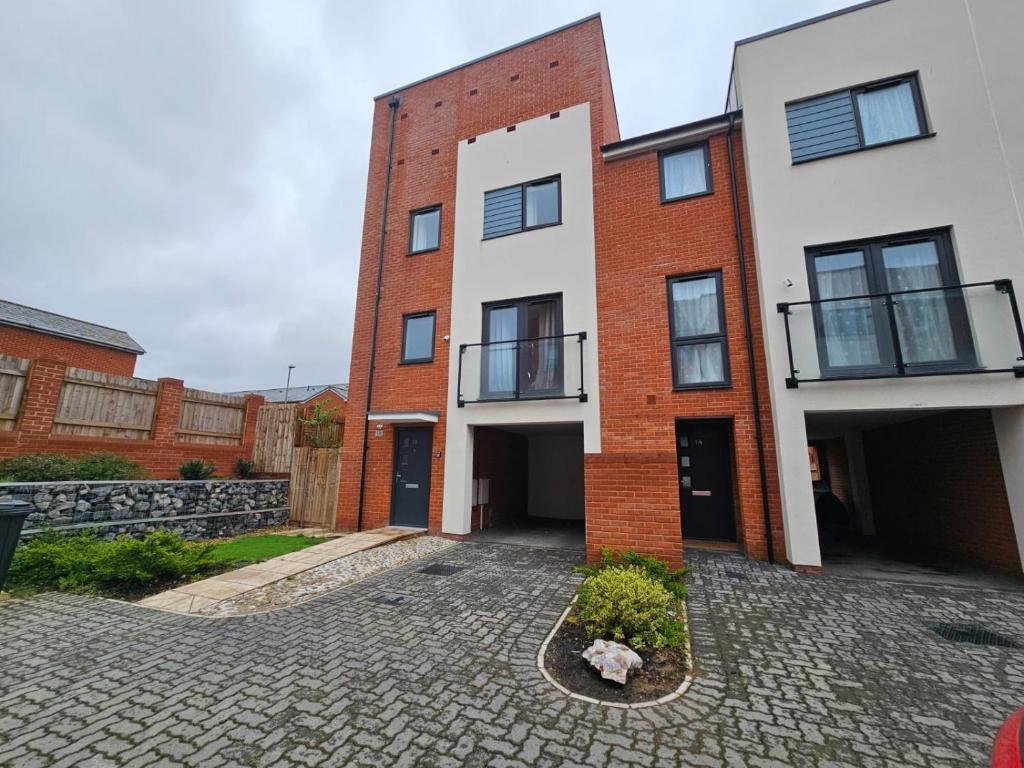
{"points": [[793, 670]]}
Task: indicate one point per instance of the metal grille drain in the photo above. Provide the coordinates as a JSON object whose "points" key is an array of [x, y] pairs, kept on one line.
{"points": [[391, 598], [442, 569], [737, 575], [975, 634]]}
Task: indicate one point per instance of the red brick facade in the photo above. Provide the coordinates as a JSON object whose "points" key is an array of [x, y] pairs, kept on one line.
{"points": [[633, 485], [543, 76], [161, 454], [28, 344]]}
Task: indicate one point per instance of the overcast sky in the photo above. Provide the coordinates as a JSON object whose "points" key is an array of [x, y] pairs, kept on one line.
{"points": [[193, 172]]}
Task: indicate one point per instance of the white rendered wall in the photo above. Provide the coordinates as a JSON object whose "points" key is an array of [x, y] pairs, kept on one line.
{"points": [[557, 259]]}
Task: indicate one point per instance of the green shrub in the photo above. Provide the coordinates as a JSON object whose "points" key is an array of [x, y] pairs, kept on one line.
{"points": [[38, 468], [82, 562], [623, 603], [53, 467], [672, 579], [108, 466], [196, 469], [245, 468]]}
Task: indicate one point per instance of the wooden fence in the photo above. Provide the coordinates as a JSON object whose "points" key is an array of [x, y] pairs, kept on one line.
{"points": [[13, 371], [313, 488], [103, 405], [275, 437], [210, 418]]}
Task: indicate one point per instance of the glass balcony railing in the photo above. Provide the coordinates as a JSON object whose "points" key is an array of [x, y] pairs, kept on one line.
{"points": [[544, 368], [961, 329]]}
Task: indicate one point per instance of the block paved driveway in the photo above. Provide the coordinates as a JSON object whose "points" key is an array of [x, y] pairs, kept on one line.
{"points": [[793, 670]]}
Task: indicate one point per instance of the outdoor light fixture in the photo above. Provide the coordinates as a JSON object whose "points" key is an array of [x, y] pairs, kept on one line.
{"points": [[379, 431]]}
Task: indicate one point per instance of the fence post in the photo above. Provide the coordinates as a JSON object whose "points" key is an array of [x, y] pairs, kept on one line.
{"points": [[39, 401], [168, 411], [252, 412]]}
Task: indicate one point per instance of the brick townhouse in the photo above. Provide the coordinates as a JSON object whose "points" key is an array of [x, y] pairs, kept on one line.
{"points": [[626, 343]]}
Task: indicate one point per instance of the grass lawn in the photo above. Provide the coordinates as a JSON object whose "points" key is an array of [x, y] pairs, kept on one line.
{"points": [[255, 549]]}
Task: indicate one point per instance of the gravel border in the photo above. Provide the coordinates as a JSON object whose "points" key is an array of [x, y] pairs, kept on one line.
{"points": [[328, 577]]}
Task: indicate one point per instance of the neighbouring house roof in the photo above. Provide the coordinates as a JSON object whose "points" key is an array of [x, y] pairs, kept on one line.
{"points": [[297, 394], [20, 316]]}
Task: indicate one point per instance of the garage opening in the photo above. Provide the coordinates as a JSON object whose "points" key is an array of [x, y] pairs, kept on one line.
{"points": [[528, 485], [911, 495]]}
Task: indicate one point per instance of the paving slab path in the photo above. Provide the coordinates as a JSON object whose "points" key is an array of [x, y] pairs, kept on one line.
{"points": [[413, 668], [206, 594]]}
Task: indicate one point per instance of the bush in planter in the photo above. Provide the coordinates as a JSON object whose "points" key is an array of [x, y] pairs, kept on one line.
{"points": [[670, 578], [245, 468], [108, 466], [55, 467], [623, 603], [82, 562], [196, 469]]}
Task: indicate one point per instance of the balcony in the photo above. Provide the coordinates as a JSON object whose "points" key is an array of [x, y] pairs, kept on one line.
{"points": [[962, 329], [542, 368]]}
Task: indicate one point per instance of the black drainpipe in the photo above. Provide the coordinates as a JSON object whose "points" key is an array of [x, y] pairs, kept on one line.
{"points": [[393, 105], [755, 396]]}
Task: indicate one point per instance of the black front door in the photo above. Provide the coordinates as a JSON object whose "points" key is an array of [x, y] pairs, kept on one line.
{"points": [[704, 460], [410, 488]]}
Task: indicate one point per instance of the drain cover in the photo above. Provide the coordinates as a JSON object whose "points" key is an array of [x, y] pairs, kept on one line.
{"points": [[975, 634], [442, 569], [391, 598], [737, 575]]}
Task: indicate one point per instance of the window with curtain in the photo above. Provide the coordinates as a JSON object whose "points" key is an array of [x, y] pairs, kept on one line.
{"points": [[418, 338], [425, 230], [685, 172], [697, 328], [855, 118], [521, 207], [523, 348], [857, 336]]}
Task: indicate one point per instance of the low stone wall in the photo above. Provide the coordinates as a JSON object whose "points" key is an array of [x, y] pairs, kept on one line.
{"points": [[195, 509]]}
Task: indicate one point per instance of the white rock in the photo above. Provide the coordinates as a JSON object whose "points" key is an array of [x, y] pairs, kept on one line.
{"points": [[613, 660]]}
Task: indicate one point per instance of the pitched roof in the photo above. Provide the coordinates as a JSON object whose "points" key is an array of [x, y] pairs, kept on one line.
{"points": [[296, 394], [20, 316]]}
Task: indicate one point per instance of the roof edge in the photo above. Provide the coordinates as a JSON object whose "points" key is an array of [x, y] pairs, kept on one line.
{"points": [[490, 55], [808, 22], [136, 350], [667, 133]]}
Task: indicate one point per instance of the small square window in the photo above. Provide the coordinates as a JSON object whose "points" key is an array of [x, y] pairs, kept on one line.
{"points": [[425, 230], [685, 173], [418, 338], [542, 203], [697, 328]]}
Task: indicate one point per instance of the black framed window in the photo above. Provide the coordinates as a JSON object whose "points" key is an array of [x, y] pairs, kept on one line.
{"points": [[528, 356], [928, 330], [521, 207], [425, 230], [700, 354], [882, 112], [685, 172], [418, 337]]}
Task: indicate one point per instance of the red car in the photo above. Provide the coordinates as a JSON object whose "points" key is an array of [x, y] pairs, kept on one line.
{"points": [[1008, 751]]}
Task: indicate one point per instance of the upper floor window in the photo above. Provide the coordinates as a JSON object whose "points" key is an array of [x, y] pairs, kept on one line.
{"points": [[878, 113], [905, 306], [531, 205], [685, 172], [700, 356], [523, 348], [425, 230], [418, 337]]}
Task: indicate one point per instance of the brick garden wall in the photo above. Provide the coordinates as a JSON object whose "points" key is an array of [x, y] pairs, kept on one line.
{"points": [[160, 452], [937, 488], [22, 342], [543, 76], [194, 509], [633, 486]]}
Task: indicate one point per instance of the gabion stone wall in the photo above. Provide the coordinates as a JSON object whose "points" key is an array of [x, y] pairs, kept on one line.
{"points": [[196, 509]]}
